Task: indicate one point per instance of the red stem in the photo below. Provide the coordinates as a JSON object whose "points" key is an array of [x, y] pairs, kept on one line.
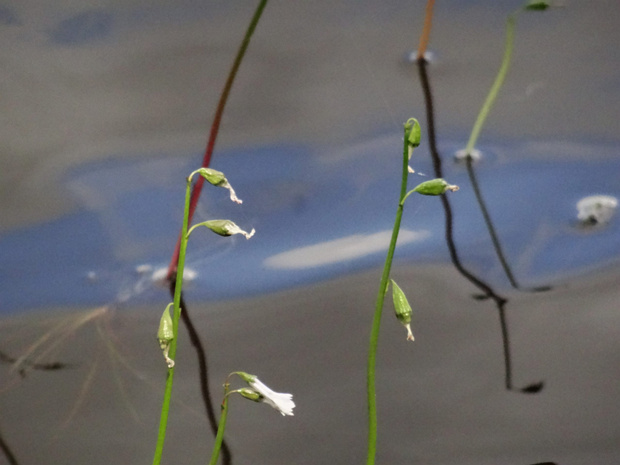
{"points": [[215, 127]]}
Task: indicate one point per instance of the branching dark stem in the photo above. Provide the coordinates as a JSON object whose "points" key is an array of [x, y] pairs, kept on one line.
{"points": [[506, 343], [201, 354], [488, 292], [489, 223], [432, 140], [6, 450]]}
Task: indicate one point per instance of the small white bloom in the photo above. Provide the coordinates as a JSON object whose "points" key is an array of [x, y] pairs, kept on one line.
{"points": [[409, 333], [233, 196], [282, 402], [231, 228]]}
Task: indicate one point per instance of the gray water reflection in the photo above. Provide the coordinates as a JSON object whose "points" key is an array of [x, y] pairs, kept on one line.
{"points": [[105, 111]]}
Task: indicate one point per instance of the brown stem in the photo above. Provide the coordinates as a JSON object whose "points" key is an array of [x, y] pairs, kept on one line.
{"points": [[426, 31]]}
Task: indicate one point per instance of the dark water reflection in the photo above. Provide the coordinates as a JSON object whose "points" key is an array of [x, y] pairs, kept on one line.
{"points": [[105, 126]]}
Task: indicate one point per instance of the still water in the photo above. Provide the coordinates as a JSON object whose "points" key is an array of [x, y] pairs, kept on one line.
{"points": [[106, 110]]}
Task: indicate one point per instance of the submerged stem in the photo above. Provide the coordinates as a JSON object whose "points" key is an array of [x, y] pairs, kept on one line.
{"points": [[497, 84]]}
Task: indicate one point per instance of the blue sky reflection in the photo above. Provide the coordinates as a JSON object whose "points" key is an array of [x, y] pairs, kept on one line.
{"points": [[317, 214]]}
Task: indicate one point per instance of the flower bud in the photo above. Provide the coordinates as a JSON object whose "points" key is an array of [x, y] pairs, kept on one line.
{"points": [[165, 334], [226, 228], [436, 186], [217, 179], [402, 308], [413, 133], [250, 394], [214, 177]]}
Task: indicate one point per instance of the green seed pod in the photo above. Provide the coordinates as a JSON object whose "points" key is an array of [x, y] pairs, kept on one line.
{"points": [[214, 177], [413, 133], [402, 308], [165, 334], [436, 186], [224, 228], [221, 227]]}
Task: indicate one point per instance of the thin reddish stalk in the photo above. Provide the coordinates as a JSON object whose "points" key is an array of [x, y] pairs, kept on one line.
{"points": [[215, 127], [426, 31]]}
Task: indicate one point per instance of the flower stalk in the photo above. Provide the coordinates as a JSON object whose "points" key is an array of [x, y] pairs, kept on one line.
{"points": [[376, 322], [169, 328], [219, 438], [436, 187], [172, 344]]}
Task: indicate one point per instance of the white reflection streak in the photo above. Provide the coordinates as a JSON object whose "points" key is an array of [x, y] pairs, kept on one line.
{"points": [[340, 250]]}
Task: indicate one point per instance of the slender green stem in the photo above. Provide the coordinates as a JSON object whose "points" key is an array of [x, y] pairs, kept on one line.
{"points": [[497, 85], [376, 322], [165, 407], [220, 433]]}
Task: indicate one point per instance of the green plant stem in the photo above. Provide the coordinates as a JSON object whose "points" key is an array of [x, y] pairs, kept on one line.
{"points": [[220, 433], [497, 85], [165, 407], [376, 322]]}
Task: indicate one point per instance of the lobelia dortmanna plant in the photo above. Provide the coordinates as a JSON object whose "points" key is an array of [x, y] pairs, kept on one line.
{"points": [[257, 391], [402, 308], [167, 334]]}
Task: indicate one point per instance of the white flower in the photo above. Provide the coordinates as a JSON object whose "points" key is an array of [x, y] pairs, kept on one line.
{"points": [[231, 228], [280, 401]]}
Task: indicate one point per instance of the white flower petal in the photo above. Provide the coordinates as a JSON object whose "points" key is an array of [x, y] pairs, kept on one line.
{"points": [[233, 195], [282, 402], [232, 228]]}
